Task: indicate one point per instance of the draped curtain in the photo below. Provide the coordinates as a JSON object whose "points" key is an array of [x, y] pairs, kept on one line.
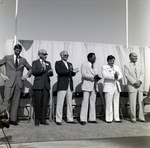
{"points": [[78, 54]]}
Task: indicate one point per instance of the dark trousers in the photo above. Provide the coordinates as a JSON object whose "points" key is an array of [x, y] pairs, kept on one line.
{"points": [[40, 104]]}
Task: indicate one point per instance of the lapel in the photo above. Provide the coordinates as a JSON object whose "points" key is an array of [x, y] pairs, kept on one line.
{"points": [[132, 67], [63, 64], [20, 61], [39, 63], [12, 63], [90, 69], [110, 70]]}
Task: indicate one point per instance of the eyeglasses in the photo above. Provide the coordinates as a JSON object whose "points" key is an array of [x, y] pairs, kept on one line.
{"points": [[44, 54], [66, 55]]}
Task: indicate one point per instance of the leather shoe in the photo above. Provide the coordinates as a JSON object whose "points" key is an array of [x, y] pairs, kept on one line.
{"points": [[133, 121], [118, 121], [58, 123], [44, 123], [93, 122], [14, 123], [141, 120], [83, 122], [72, 122], [108, 121], [4, 114]]}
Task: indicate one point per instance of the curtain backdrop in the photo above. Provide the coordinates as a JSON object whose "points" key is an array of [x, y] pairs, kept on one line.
{"points": [[78, 54]]}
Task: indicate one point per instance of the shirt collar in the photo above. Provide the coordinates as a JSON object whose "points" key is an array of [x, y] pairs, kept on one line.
{"points": [[133, 63], [110, 66], [90, 63], [64, 61], [15, 56]]}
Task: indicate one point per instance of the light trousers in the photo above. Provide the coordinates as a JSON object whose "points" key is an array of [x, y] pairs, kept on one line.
{"points": [[112, 106], [60, 103], [88, 97], [133, 96]]}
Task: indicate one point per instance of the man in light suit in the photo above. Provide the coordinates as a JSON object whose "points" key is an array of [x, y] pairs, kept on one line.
{"points": [[13, 81], [134, 74], [65, 73], [42, 70], [111, 74], [89, 88]]}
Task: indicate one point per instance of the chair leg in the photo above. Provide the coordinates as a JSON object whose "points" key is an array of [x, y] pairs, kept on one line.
{"points": [[30, 110], [121, 113]]}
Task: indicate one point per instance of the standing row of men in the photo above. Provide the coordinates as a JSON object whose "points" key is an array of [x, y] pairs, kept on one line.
{"points": [[42, 71]]}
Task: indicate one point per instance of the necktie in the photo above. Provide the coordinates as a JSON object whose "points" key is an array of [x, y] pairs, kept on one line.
{"points": [[92, 66], [16, 62], [135, 69]]}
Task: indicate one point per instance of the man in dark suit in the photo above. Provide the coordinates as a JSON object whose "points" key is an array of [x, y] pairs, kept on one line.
{"points": [[65, 72], [13, 81], [42, 70]]}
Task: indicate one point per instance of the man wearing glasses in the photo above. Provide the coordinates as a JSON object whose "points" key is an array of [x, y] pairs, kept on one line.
{"points": [[65, 72], [42, 70]]}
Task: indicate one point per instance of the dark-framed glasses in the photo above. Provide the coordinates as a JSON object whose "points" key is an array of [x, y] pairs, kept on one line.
{"points": [[45, 54], [66, 55]]}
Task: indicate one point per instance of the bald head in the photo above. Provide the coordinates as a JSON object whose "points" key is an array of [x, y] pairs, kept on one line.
{"points": [[42, 51], [133, 57], [64, 55], [42, 54]]}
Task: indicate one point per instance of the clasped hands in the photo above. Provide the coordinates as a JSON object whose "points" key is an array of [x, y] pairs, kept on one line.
{"points": [[137, 84], [97, 78], [116, 74], [50, 72]]}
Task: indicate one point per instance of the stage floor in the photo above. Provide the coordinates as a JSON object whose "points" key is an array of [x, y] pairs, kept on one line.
{"points": [[76, 134]]}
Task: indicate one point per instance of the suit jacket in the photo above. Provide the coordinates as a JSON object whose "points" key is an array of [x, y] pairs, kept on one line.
{"points": [[133, 75], [64, 75], [110, 83], [12, 73], [87, 77], [41, 78]]}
